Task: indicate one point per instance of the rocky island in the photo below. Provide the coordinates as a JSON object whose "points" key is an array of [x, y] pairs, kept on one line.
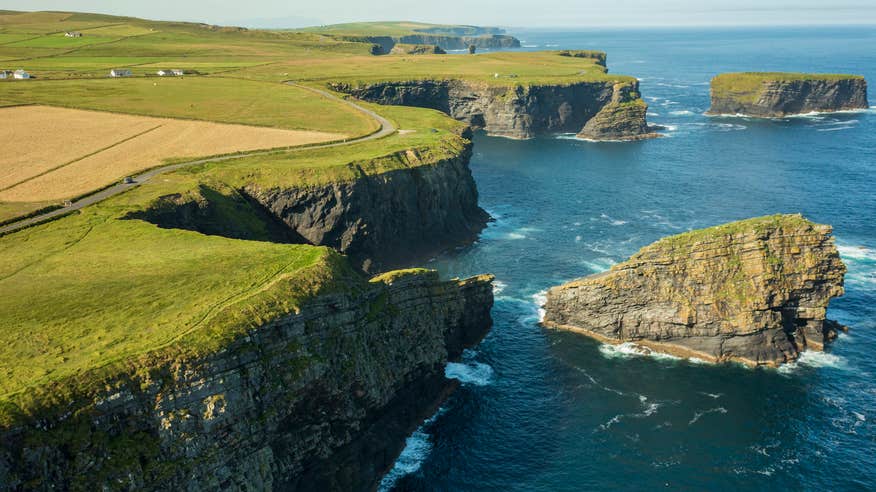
{"points": [[775, 95], [754, 291]]}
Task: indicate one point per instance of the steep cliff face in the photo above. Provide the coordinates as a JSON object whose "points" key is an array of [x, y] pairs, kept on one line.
{"points": [[381, 220], [389, 219], [778, 95], [318, 400], [754, 291], [517, 111]]}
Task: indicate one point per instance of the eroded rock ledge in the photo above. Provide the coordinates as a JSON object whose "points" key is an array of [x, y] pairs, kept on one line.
{"points": [[598, 110], [754, 291], [318, 400], [775, 95]]}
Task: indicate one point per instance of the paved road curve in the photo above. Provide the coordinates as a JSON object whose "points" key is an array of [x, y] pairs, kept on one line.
{"points": [[386, 128]]}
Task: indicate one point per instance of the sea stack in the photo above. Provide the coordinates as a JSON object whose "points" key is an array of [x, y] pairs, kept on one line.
{"points": [[776, 95], [754, 291]]}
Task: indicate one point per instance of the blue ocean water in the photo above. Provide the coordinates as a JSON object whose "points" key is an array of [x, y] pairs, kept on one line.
{"points": [[545, 411]]}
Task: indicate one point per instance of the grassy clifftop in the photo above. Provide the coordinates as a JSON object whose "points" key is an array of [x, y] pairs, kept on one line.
{"points": [[747, 85], [103, 291]]}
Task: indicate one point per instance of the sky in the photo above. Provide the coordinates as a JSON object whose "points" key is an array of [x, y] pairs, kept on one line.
{"points": [[513, 13]]}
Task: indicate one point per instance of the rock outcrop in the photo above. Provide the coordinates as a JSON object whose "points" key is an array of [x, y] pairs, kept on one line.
{"points": [[521, 111], [318, 400], [775, 95], [754, 291], [619, 121], [417, 49]]}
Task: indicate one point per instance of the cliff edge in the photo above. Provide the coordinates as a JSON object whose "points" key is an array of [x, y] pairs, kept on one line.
{"points": [[596, 106], [754, 291], [319, 399], [775, 95]]}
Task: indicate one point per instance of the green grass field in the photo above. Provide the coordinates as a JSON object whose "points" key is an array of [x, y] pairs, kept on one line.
{"points": [[99, 292], [223, 100], [94, 289]]}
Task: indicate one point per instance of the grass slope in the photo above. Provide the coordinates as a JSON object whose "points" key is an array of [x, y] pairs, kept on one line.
{"points": [[97, 293]]}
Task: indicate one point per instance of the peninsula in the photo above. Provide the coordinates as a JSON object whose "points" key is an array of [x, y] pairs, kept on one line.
{"points": [[776, 95], [754, 291]]}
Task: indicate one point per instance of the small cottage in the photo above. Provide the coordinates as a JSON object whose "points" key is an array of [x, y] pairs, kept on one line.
{"points": [[171, 73], [21, 74], [120, 72], [73, 34], [5, 74]]}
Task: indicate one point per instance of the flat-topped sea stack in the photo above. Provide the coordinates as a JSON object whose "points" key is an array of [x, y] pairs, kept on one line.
{"points": [[754, 291], [776, 95]]}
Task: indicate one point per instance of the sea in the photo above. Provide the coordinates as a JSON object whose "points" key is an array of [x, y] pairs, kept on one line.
{"points": [[547, 411]]}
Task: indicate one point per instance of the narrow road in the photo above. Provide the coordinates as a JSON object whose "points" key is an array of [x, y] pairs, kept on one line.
{"points": [[386, 128]]}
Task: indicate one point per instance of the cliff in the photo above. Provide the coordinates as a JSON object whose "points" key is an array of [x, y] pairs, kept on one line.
{"points": [[518, 110], [782, 94], [417, 49], [754, 291], [426, 204], [385, 44], [319, 400]]}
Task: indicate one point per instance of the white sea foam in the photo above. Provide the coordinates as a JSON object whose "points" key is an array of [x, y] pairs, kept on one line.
{"points": [[714, 396], [648, 409], [627, 350], [529, 46], [540, 299], [577, 239], [498, 287], [599, 265], [683, 112], [651, 114], [856, 252], [835, 129], [473, 373], [698, 415], [417, 449], [816, 360]]}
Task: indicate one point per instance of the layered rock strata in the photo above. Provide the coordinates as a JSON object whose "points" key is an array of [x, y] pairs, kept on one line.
{"points": [[381, 220], [775, 95], [317, 400], [754, 291], [522, 111]]}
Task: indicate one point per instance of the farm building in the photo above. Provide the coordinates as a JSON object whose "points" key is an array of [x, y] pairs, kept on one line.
{"points": [[21, 74], [120, 72], [73, 34], [5, 74], [171, 73]]}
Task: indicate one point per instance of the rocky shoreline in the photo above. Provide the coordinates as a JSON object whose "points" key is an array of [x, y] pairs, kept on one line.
{"points": [[754, 291]]}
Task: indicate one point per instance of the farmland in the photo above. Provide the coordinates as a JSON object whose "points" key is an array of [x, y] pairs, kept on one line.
{"points": [[92, 149]]}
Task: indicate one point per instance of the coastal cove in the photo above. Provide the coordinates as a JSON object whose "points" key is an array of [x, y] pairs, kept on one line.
{"points": [[541, 410]]}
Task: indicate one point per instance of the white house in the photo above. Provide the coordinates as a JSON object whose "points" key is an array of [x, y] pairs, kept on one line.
{"points": [[171, 73], [73, 34], [120, 72], [5, 74], [21, 74]]}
